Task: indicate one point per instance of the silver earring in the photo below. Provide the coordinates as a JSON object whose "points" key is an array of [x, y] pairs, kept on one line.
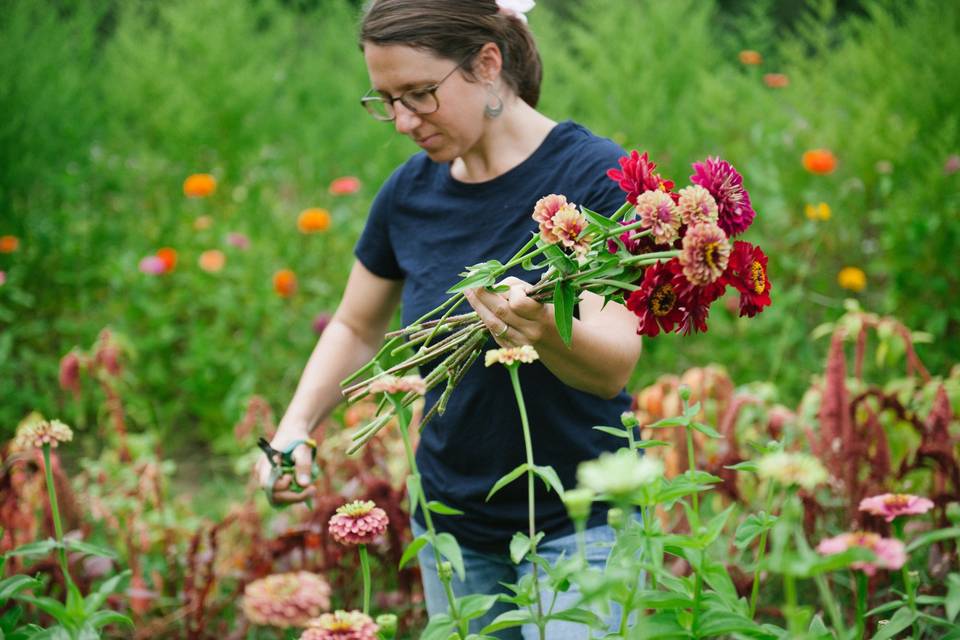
{"points": [[497, 108]]}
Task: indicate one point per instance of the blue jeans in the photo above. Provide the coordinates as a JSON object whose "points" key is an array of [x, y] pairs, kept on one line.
{"points": [[485, 572]]}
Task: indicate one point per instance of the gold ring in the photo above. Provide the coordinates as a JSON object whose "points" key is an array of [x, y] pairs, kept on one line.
{"points": [[502, 332]]}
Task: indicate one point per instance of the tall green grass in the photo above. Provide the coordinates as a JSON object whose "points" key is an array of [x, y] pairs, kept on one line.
{"points": [[107, 108]]}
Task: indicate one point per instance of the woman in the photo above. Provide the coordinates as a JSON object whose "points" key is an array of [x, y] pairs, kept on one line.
{"points": [[461, 78]]}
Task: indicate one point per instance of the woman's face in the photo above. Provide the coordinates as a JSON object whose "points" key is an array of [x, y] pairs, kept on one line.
{"points": [[453, 129]]}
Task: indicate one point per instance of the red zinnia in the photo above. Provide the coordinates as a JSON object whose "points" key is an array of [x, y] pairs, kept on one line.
{"points": [[747, 271], [694, 302], [735, 213], [655, 302], [636, 176]]}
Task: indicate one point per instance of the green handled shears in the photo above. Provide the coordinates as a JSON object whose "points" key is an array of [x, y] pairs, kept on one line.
{"points": [[281, 463]]}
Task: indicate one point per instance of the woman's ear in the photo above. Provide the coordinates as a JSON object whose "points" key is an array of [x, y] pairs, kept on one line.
{"points": [[489, 63]]}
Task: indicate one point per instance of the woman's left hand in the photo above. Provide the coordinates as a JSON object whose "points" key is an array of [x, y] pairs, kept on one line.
{"points": [[512, 317]]}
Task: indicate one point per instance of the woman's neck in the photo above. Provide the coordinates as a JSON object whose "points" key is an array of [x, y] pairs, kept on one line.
{"points": [[508, 141]]}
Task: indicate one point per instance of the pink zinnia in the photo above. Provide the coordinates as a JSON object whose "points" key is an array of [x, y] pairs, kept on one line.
{"points": [[543, 213], [697, 205], [726, 186], [238, 240], [705, 253], [358, 522], [3, 278], [747, 271], [891, 505], [153, 265], [636, 176], [890, 553], [658, 213], [341, 625], [393, 384], [344, 186], [321, 322], [286, 600], [655, 303]]}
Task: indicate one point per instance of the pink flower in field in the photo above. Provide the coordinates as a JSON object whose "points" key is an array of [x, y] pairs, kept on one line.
{"points": [[393, 384], [726, 186], [320, 323], [286, 600], [3, 278], [70, 373], [153, 265], [358, 522], [543, 213], [890, 553], [238, 240], [344, 186], [341, 625], [705, 253], [697, 205], [952, 165], [658, 213], [891, 505], [568, 224]]}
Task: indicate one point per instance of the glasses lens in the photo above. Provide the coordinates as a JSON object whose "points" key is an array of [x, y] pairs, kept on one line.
{"points": [[378, 108], [420, 102]]}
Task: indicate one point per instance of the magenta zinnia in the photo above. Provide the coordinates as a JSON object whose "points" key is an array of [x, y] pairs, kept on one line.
{"points": [[341, 625], [705, 253], [726, 186], [659, 214], [891, 505], [747, 271], [636, 176], [358, 522], [890, 553], [286, 600], [655, 302]]}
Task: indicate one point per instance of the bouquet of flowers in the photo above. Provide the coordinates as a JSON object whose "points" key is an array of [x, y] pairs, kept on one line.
{"points": [[666, 255]]}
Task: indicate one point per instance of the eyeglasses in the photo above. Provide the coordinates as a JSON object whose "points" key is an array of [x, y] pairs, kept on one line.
{"points": [[420, 101]]}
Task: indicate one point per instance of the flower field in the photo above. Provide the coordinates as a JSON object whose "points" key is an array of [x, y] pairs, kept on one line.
{"points": [[181, 187]]}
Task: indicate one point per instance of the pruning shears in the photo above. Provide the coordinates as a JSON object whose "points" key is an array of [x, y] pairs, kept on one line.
{"points": [[281, 464]]}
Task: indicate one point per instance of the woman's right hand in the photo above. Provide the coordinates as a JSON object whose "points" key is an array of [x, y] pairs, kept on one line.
{"points": [[280, 488]]}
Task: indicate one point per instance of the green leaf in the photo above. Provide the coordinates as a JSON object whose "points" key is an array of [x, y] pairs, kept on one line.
{"points": [[475, 279], [412, 550], [51, 607], [842, 560], [413, 492], [647, 444], [715, 526], [559, 260], [706, 430], [716, 575], [507, 620], [449, 548], [579, 616], [101, 619], [692, 411], [600, 220], [650, 599], [507, 479], [900, 621], [36, 549], [754, 525], [13, 585], [952, 600], [660, 626], [549, 477], [715, 623], [748, 465], [90, 549], [439, 628], [96, 598], [933, 536], [563, 301], [475, 605], [438, 507], [677, 421], [614, 431]]}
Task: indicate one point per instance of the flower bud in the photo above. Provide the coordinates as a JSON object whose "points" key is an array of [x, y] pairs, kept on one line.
{"points": [[578, 503], [628, 419], [616, 517], [445, 570], [684, 391], [388, 624]]}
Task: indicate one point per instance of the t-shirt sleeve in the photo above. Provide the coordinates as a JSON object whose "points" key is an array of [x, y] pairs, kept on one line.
{"points": [[602, 194], [375, 249]]}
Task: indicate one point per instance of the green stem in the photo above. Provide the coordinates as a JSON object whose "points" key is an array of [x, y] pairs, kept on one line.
{"points": [[830, 603], [691, 467], [761, 551], [651, 257], [531, 505], [697, 593], [861, 603], [365, 567], [55, 513], [908, 587], [647, 513], [790, 589]]}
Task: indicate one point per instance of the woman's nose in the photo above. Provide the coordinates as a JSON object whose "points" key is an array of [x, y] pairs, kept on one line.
{"points": [[406, 120]]}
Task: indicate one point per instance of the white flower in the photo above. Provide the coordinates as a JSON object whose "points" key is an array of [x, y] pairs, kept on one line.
{"points": [[619, 474]]}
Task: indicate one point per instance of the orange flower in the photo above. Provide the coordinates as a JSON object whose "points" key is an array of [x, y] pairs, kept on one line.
{"points": [[9, 244], [199, 185], [345, 186], [212, 260], [776, 80], [750, 57], [313, 220], [202, 223], [285, 283], [169, 257], [852, 279], [819, 161]]}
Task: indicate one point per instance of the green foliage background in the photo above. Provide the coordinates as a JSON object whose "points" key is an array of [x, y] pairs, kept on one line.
{"points": [[106, 107]]}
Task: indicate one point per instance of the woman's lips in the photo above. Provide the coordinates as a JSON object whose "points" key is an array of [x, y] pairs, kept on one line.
{"points": [[428, 140]]}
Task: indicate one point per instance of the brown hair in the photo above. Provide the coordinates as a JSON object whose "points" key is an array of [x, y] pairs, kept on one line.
{"points": [[457, 30]]}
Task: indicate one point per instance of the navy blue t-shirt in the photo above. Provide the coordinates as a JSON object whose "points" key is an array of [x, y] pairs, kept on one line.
{"points": [[424, 228]]}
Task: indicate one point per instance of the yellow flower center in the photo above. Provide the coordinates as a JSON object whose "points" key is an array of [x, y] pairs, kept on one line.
{"points": [[757, 277], [897, 500], [862, 539], [709, 253], [663, 300], [356, 508]]}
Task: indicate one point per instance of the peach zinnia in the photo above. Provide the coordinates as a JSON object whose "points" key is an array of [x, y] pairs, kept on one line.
{"points": [[890, 553], [568, 225], [199, 185], [393, 384], [776, 80], [34, 435], [705, 253], [285, 283], [341, 625], [819, 161], [358, 522], [543, 213], [9, 244], [697, 205], [212, 260], [658, 213], [313, 220], [891, 505], [524, 354], [286, 600], [344, 186]]}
